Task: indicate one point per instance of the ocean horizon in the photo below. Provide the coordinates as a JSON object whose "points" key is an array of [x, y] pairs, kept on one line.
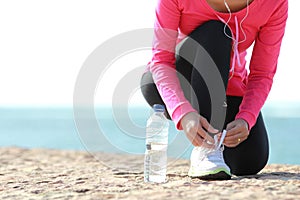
{"points": [[122, 130]]}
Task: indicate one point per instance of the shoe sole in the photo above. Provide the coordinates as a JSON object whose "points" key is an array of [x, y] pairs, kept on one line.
{"points": [[218, 176]]}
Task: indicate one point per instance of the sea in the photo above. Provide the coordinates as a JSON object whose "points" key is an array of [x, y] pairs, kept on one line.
{"points": [[122, 130]]}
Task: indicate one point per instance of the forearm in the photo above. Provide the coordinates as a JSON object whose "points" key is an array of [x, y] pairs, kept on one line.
{"points": [[257, 91], [168, 85]]}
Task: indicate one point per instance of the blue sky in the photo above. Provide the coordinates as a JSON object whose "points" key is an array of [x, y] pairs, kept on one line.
{"points": [[43, 45]]}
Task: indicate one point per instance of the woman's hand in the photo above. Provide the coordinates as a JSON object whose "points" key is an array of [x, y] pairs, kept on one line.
{"points": [[195, 127], [237, 132]]}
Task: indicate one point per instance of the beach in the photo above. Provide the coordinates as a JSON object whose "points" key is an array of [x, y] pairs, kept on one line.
{"points": [[66, 174]]}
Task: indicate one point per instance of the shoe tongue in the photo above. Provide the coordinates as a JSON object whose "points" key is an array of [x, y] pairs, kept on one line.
{"points": [[207, 152]]}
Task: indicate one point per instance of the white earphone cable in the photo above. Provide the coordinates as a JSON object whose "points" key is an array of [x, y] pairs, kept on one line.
{"points": [[235, 39], [241, 23]]}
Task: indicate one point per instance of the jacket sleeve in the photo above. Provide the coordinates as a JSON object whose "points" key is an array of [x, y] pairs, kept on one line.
{"points": [[263, 64], [162, 65]]}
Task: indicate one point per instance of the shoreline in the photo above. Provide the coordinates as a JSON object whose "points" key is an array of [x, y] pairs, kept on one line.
{"points": [[68, 174]]}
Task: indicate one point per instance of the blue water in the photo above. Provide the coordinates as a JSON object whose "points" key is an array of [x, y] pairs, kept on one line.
{"points": [[122, 130]]}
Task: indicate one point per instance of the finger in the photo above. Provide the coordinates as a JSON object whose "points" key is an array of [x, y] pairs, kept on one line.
{"points": [[233, 142], [237, 132], [233, 135], [231, 145], [205, 135], [204, 123], [193, 136], [236, 143], [197, 140], [231, 129], [236, 140], [196, 137], [207, 145], [208, 126], [233, 139]]}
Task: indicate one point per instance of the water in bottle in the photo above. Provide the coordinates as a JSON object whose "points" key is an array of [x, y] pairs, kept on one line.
{"points": [[155, 163]]}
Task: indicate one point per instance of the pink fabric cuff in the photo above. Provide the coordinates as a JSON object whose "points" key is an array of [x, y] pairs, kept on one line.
{"points": [[248, 117], [180, 111]]}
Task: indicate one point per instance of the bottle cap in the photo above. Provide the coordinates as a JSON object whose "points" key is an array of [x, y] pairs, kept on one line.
{"points": [[159, 108]]}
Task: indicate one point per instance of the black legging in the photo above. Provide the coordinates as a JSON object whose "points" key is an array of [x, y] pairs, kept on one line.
{"points": [[250, 156]]}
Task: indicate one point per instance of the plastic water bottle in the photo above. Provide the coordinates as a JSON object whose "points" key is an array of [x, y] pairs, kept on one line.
{"points": [[155, 163]]}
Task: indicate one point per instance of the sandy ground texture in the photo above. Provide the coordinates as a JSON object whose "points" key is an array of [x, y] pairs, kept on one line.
{"points": [[55, 174]]}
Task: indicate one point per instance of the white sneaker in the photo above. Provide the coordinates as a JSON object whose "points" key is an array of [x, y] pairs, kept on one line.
{"points": [[209, 164]]}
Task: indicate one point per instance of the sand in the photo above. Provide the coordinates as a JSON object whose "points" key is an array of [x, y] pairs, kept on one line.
{"points": [[57, 174]]}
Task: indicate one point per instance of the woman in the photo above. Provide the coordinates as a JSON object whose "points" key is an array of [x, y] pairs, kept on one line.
{"points": [[192, 39]]}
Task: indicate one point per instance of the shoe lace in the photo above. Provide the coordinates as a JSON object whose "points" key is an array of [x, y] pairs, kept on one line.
{"points": [[216, 151], [219, 144]]}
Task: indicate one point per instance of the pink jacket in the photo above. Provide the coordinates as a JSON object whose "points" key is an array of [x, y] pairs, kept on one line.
{"points": [[264, 25]]}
